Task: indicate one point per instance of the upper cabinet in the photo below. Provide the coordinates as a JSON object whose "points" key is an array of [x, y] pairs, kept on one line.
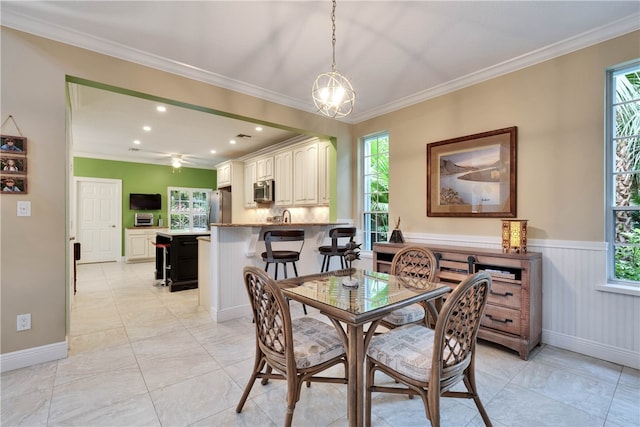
{"points": [[283, 178], [325, 148], [224, 173], [301, 174], [249, 179], [305, 174], [264, 168]]}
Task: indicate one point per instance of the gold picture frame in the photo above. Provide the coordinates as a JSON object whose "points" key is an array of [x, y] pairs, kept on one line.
{"points": [[473, 176]]}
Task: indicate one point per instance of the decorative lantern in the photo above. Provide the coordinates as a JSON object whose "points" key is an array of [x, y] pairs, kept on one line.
{"points": [[514, 236]]}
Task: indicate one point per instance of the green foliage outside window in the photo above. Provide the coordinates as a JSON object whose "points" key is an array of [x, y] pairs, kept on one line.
{"points": [[626, 146], [188, 208], [376, 190]]}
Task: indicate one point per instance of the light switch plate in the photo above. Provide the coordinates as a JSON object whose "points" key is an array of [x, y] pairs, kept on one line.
{"points": [[24, 208]]}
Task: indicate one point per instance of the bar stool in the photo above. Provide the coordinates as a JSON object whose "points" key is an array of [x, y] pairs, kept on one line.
{"points": [[335, 249], [276, 257], [280, 256], [165, 256]]}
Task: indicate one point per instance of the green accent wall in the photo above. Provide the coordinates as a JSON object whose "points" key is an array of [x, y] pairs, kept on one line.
{"points": [[143, 178]]}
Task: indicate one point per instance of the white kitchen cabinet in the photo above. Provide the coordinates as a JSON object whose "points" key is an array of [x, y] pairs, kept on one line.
{"points": [[264, 168], [305, 174], [138, 244], [283, 178], [224, 174], [249, 179], [325, 148]]}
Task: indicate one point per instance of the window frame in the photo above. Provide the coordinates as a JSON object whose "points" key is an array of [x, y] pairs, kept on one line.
{"points": [[381, 230], [611, 137], [191, 212]]}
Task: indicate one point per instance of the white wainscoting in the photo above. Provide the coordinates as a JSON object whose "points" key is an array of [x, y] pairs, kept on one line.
{"points": [[576, 315]]}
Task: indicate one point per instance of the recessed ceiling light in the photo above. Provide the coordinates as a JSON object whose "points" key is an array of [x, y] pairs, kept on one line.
{"points": [[137, 142], [161, 108], [259, 128], [146, 128], [213, 151], [233, 141]]}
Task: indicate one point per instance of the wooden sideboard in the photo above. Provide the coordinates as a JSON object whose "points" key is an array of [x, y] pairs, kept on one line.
{"points": [[513, 316]]}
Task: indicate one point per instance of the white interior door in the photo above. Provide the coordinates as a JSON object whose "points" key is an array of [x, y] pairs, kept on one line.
{"points": [[99, 220]]}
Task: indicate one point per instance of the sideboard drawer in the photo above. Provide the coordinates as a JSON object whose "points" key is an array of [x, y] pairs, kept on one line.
{"points": [[506, 294], [502, 319]]}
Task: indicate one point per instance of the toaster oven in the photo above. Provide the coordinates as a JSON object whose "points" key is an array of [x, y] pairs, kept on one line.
{"points": [[143, 219]]}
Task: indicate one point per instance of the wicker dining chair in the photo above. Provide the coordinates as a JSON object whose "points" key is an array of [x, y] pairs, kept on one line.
{"points": [[412, 264], [291, 351], [430, 362]]}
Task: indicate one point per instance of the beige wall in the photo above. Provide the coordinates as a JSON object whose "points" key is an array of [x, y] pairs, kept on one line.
{"points": [[558, 107], [33, 250]]}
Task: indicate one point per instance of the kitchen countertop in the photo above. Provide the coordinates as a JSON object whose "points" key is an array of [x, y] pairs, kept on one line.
{"points": [[275, 224], [171, 233]]}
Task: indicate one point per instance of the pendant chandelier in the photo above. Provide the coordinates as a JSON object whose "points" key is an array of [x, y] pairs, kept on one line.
{"points": [[332, 92]]}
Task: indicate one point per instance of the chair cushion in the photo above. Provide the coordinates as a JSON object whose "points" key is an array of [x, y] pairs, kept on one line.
{"points": [[314, 342], [405, 315], [329, 249], [289, 256], [407, 350]]}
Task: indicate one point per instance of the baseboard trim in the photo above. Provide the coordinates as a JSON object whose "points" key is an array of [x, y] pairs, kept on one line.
{"points": [[591, 348], [230, 313], [33, 356]]}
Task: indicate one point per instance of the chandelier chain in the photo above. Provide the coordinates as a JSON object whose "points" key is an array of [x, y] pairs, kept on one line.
{"points": [[333, 36]]}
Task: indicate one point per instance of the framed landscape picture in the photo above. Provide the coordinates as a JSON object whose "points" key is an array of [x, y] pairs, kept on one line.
{"points": [[473, 176]]}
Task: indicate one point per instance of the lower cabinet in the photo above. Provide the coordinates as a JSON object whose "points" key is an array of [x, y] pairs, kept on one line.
{"points": [[182, 260], [513, 315], [138, 246]]}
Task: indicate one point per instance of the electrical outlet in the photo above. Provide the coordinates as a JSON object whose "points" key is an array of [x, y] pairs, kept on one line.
{"points": [[24, 322]]}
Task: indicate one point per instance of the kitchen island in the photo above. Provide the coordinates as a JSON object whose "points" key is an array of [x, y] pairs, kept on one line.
{"points": [[182, 257], [234, 246]]}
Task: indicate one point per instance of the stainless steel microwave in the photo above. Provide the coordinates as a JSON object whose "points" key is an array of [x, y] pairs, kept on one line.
{"points": [[263, 191]]}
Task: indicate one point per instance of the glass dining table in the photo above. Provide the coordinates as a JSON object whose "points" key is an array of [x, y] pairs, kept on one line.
{"points": [[353, 299]]}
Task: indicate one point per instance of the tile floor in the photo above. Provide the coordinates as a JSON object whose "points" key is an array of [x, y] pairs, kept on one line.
{"points": [[141, 356]]}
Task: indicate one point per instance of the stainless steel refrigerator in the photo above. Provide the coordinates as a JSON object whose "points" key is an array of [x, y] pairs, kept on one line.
{"points": [[220, 207]]}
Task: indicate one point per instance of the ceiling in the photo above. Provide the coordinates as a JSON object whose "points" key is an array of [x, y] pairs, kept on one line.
{"points": [[396, 53], [105, 125]]}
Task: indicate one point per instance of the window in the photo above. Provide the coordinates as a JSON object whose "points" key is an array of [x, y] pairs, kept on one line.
{"points": [[376, 189], [623, 173], [188, 208]]}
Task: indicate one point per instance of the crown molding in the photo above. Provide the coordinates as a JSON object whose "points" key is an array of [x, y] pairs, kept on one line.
{"points": [[82, 40], [581, 41]]}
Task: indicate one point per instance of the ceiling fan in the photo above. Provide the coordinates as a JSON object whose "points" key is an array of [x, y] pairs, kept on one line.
{"points": [[175, 160]]}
